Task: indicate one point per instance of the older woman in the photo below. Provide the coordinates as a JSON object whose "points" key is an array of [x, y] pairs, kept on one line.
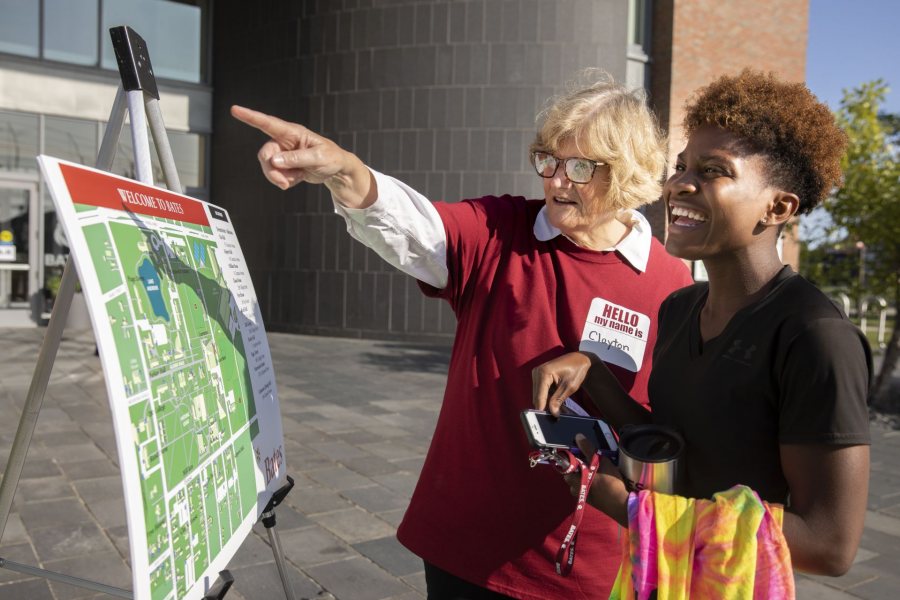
{"points": [[764, 376], [528, 280]]}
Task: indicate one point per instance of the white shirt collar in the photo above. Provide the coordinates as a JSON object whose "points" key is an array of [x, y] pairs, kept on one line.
{"points": [[634, 247]]}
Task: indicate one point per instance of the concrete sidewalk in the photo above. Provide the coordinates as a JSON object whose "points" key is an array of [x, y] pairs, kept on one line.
{"points": [[358, 417]]}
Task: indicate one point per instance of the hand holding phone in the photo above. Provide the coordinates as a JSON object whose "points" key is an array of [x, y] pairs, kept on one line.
{"points": [[545, 431]]}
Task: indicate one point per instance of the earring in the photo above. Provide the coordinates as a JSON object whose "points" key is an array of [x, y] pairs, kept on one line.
{"points": [[764, 220]]}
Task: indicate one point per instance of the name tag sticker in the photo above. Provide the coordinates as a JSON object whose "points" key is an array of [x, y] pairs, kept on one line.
{"points": [[616, 334]]}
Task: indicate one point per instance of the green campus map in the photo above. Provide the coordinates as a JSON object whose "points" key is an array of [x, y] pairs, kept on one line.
{"points": [[187, 384]]}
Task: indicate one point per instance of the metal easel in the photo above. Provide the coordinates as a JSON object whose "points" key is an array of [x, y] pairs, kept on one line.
{"points": [[139, 97]]}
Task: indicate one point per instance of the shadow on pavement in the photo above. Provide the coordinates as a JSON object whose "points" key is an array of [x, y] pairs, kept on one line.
{"points": [[421, 358]]}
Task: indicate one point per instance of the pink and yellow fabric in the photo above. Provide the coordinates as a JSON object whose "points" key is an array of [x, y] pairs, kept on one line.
{"points": [[730, 547]]}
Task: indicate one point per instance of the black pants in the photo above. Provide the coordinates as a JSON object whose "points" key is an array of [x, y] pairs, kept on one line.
{"points": [[444, 586]]}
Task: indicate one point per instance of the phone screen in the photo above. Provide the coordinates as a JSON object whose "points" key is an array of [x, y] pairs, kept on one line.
{"points": [[544, 430]]}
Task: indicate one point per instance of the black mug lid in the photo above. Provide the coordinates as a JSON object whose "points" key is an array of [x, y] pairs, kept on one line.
{"points": [[651, 443]]}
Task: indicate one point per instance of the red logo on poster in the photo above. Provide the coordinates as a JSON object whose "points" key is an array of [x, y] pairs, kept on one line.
{"points": [[99, 189]]}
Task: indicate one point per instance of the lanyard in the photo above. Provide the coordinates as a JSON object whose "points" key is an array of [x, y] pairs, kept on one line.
{"points": [[567, 548], [566, 463]]}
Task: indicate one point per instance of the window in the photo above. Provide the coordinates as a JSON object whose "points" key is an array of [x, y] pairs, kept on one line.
{"points": [[18, 142], [77, 32], [70, 31], [189, 151], [19, 27], [172, 32], [71, 139], [637, 22]]}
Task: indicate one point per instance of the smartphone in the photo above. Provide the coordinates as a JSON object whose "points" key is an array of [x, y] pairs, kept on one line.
{"points": [[546, 431]]}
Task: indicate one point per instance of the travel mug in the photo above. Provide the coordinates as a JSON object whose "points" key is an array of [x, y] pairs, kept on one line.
{"points": [[650, 458]]}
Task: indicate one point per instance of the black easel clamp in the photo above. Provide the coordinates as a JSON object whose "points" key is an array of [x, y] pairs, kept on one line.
{"points": [[268, 514], [220, 587], [133, 60]]}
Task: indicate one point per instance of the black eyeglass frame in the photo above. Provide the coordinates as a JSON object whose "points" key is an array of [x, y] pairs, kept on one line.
{"points": [[565, 161]]}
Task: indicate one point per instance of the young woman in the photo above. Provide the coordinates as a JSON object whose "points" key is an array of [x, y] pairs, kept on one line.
{"points": [[762, 375]]}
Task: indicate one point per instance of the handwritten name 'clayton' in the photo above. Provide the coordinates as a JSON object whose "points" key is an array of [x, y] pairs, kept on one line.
{"points": [[145, 200]]}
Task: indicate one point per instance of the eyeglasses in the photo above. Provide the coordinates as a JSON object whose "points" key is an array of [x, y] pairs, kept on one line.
{"points": [[578, 170]]}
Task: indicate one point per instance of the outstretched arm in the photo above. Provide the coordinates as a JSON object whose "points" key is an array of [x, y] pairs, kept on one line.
{"points": [[555, 380], [386, 215], [295, 154]]}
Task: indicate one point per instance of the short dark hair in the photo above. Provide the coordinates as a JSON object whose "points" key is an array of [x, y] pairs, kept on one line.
{"points": [[781, 120]]}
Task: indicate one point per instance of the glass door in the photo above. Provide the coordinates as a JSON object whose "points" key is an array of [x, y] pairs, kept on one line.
{"points": [[18, 247]]}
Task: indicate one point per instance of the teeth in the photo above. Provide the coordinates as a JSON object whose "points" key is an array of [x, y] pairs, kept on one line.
{"points": [[678, 211]]}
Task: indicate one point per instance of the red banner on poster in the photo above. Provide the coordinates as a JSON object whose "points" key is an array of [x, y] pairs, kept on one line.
{"points": [[98, 189]]}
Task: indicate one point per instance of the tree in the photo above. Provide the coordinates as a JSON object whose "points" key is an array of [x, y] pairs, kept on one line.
{"points": [[867, 208], [891, 124]]}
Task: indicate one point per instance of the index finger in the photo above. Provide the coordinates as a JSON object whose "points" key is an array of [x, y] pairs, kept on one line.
{"points": [[274, 127], [540, 388]]}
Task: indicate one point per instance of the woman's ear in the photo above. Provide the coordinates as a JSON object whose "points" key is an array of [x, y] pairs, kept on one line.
{"points": [[783, 207]]}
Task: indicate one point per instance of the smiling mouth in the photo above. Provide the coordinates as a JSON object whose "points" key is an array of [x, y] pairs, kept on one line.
{"points": [[560, 200], [686, 217]]}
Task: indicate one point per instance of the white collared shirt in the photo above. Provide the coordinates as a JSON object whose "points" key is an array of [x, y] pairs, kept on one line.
{"points": [[405, 229]]}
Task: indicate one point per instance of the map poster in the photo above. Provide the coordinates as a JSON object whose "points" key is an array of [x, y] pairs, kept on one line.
{"points": [[187, 367]]}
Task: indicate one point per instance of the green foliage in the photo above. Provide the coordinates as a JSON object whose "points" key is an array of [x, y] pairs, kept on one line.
{"points": [[891, 124], [867, 206], [866, 210], [831, 266]]}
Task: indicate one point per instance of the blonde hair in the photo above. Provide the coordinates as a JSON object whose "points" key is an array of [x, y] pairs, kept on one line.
{"points": [[613, 125]]}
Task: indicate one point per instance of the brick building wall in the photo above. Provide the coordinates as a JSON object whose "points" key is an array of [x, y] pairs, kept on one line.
{"points": [[695, 41], [441, 94]]}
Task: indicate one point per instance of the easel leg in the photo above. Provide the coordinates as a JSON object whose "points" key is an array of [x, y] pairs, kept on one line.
{"points": [[163, 148], [268, 520], [67, 579], [35, 398], [279, 560], [33, 402], [50, 346]]}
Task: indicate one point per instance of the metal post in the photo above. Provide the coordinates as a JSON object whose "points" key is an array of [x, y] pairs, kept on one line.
{"points": [[268, 520], [882, 320], [139, 139], [845, 303], [861, 309], [163, 149], [863, 315], [279, 556], [113, 130]]}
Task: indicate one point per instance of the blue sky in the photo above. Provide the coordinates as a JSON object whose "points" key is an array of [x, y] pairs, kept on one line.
{"points": [[851, 42]]}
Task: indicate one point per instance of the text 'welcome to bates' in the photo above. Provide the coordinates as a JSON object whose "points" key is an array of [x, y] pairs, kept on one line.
{"points": [[145, 200]]}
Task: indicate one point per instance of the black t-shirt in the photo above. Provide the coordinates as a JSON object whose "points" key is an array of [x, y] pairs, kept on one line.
{"points": [[787, 369]]}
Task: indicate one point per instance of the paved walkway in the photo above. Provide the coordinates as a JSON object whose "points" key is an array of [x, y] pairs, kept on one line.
{"points": [[358, 416]]}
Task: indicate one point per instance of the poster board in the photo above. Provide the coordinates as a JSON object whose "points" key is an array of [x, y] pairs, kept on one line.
{"points": [[188, 371]]}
